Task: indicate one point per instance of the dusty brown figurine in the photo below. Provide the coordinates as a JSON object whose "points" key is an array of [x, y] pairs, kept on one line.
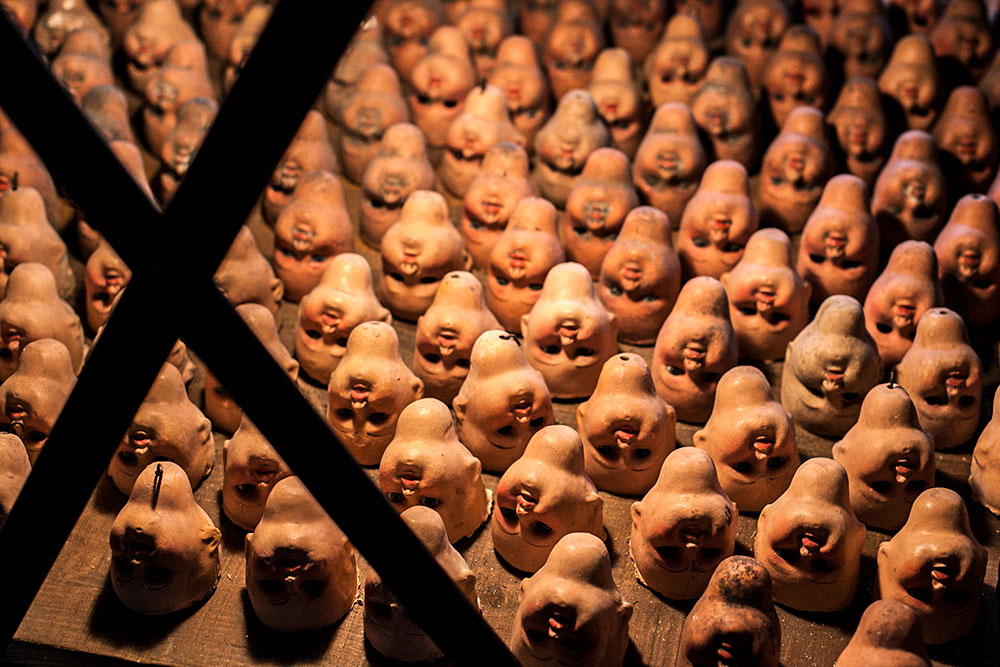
{"points": [[146, 42], [859, 38], [485, 24], [888, 635], [968, 141], [408, 25], [246, 38], [182, 77], [181, 144], [440, 81], [14, 470], [571, 46], [910, 78], [675, 69], [27, 236], [820, 16], [711, 15], [968, 255], [795, 74], [245, 275], [753, 32], [670, 160], [62, 18], [252, 468], [376, 104], [309, 151], [962, 38], [618, 98], [635, 26], [985, 473], [909, 199], [525, 88], [860, 128], [725, 109], [107, 109], [84, 62], [219, 21]]}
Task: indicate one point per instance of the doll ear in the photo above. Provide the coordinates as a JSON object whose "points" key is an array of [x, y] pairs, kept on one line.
{"points": [[524, 326], [459, 404], [211, 537], [418, 388], [277, 288], [636, 511]]}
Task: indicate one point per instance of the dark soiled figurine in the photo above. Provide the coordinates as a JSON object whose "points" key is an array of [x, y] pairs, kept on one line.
{"points": [[859, 38], [252, 468], [725, 109], [909, 200], [104, 277], [484, 23], [968, 256], [675, 69], [888, 635]]}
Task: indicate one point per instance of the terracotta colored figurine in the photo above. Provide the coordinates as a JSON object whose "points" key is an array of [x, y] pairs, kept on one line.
{"points": [[247, 34], [245, 275], [636, 26], [544, 496], [17, 157], [888, 635], [408, 25], [219, 21], [440, 81], [84, 62], [753, 32], [967, 140], [301, 570], [725, 109], [568, 335], [107, 109], [369, 388], [985, 472], [670, 160], [909, 199], [968, 254], [425, 464], [962, 37], [683, 528], [596, 208], [795, 74], [118, 15], [916, 17], [711, 15], [618, 98], [935, 566], [676, 67], [911, 79], [62, 18], [525, 88], [376, 103], [252, 468], [27, 236], [570, 611], [183, 76], [180, 146], [158, 27], [733, 619], [14, 470], [859, 38], [309, 151], [944, 376], [829, 368], [695, 346], [860, 128], [485, 24], [571, 47], [502, 403], [640, 276]]}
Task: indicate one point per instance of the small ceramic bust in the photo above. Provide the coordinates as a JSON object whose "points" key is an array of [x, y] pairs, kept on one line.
{"points": [[398, 169], [408, 25], [935, 566], [309, 151], [525, 88], [796, 166], [626, 428], [245, 38], [369, 388], [910, 78], [62, 18], [440, 81], [425, 464], [219, 21], [84, 62], [640, 276], [27, 236], [14, 470], [181, 144], [888, 635], [619, 98], [810, 541], [907, 288], [675, 69], [753, 32], [795, 74], [734, 619], [829, 368], [563, 144], [695, 346], [542, 497], [376, 103], [967, 140], [860, 128], [343, 299], [417, 252], [570, 611], [683, 528], [252, 468], [245, 275], [182, 77], [944, 376], [984, 478], [158, 26], [568, 335], [388, 627], [502, 403], [962, 38], [859, 38], [636, 26], [968, 254], [596, 208], [571, 46], [670, 160], [725, 109], [301, 570], [909, 199], [485, 24]]}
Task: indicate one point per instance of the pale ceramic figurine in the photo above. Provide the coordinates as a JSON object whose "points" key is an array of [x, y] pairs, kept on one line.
{"points": [[446, 333], [388, 627], [368, 389], [829, 368], [675, 69], [425, 464], [968, 254], [909, 199], [944, 376], [753, 32], [568, 335], [343, 299], [490, 201], [14, 470], [182, 77], [62, 18], [725, 109], [146, 42], [570, 611], [245, 275], [768, 300], [219, 21], [717, 222], [309, 232], [734, 620], [520, 259], [440, 81], [711, 15], [860, 128], [683, 528], [309, 151], [182, 143], [483, 123], [796, 166], [544, 496], [984, 478], [670, 160], [376, 103], [795, 74], [252, 468], [695, 346], [571, 46], [967, 140], [626, 428], [962, 36], [301, 571], [935, 566], [889, 459], [917, 17], [164, 547], [502, 403], [907, 288], [417, 252], [596, 208], [810, 541], [563, 144], [619, 98], [84, 62], [32, 398], [398, 169], [910, 78], [641, 276], [27, 236], [408, 25], [168, 426], [17, 157], [525, 88], [636, 26], [485, 24], [859, 38], [246, 38], [888, 635]]}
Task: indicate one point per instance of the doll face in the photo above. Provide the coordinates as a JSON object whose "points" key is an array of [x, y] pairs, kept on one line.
{"points": [[714, 231], [105, 277], [962, 35], [677, 70], [219, 21], [711, 14], [794, 79], [252, 470], [669, 161], [366, 116], [619, 104], [518, 266], [968, 255], [570, 52], [62, 18], [310, 151], [862, 41], [820, 15], [408, 25], [440, 84], [920, 15], [753, 35], [484, 27], [517, 74], [81, 73], [571, 135], [725, 113], [635, 26], [307, 235], [910, 79], [837, 253], [969, 141], [860, 130], [491, 199], [792, 177], [914, 194]]}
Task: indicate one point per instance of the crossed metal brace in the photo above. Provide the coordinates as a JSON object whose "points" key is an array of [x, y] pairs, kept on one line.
{"points": [[173, 255]]}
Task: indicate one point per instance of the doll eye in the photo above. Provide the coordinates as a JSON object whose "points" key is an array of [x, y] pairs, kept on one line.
{"points": [[394, 496], [916, 485], [313, 588], [776, 462], [814, 391], [427, 501], [881, 486], [319, 258], [502, 281], [127, 457], [780, 317], [541, 527], [463, 363], [642, 453], [850, 264], [378, 418], [536, 422], [775, 180], [822, 565], [432, 358], [732, 246], [245, 489], [883, 328], [850, 397], [535, 287], [396, 275], [615, 290], [312, 333], [700, 242], [451, 104], [586, 351], [423, 99], [982, 283], [817, 259], [710, 553], [427, 280], [649, 298], [745, 42], [711, 377], [345, 413], [675, 370], [966, 401], [779, 97], [749, 311], [551, 348], [509, 514], [608, 452], [156, 574], [743, 467]]}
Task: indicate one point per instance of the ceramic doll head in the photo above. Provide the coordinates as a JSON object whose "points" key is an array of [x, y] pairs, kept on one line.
{"points": [[596, 208], [968, 253], [246, 36], [640, 275], [245, 275], [888, 633], [408, 26], [375, 104], [752, 34], [252, 468], [84, 62], [446, 333], [909, 199], [935, 566], [525, 88], [301, 570], [820, 15], [725, 110], [636, 26], [62, 18], [795, 74], [984, 478], [417, 252], [944, 376], [520, 259], [675, 69], [399, 168], [536, 17], [219, 21], [183, 76], [907, 289], [859, 126], [717, 222], [343, 299], [502, 403], [542, 497], [182, 143], [164, 547], [440, 81], [118, 15], [911, 79], [860, 38], [570, 611], [962, 39], [27, 236], [107, 109], [485, 24], [829, 368], [695, 346], [967, 140], [670, 160], [618, 98], [309, 151], [571, 46], [425, 464], [147, 41], [14, 470], [568, 335], [369, 388]]}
